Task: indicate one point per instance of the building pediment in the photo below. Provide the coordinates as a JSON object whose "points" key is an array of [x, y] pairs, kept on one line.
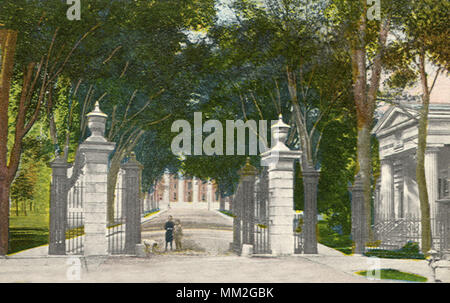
{"points": [[395, 118]]}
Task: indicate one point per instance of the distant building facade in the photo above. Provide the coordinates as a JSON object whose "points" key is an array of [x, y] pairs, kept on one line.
{"points": [[175, 188], [397, 193]]}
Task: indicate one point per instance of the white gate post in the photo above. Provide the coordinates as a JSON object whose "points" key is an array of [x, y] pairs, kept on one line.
{"points": [[96, 150], [280, 160]]}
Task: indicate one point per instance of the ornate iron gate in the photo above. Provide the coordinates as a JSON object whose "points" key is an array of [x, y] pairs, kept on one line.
{"points": [[66, 207], [261, 238], [116, 224], [75, 219], [124, 230]]}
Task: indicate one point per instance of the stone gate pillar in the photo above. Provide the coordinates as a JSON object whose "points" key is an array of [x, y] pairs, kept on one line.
{"points": [[358, 216], [132, 204], [96, 150], [58, 207], [280, 160], [444, 226], [310, 181]]}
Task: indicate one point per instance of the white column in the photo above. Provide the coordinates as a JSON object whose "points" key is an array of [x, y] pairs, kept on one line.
{"points": [[406, 193], [397, 197], [180, 188], [146, 202], [166, 194], [409, 173], [431, 175], [377, 201], [386, 189], [195, 190], [209, 194]]}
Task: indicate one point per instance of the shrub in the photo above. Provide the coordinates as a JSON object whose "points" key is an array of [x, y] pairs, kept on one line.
{"points": [[410, 250]]}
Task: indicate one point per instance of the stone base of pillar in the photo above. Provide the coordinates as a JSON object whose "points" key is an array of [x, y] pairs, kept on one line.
{"points": [[247, 250], [96, 245], [282, 244], [141, 251]]}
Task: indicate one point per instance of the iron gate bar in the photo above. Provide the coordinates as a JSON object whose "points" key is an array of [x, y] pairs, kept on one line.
{"points": [[261, 243]]}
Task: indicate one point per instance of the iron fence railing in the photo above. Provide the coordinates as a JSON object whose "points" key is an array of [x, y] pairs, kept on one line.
{"points": [[74, 230], [394, 233], [116, 226], [261, 243]]}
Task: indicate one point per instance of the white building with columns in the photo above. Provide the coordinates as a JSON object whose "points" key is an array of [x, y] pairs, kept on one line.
{"points": [[397, 131], [174, 190]]}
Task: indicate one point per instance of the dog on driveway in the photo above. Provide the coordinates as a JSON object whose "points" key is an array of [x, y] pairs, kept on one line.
{"points": [[150, 246]]}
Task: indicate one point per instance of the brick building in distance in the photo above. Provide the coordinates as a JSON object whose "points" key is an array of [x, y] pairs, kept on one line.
{"points": [[175, 190]]}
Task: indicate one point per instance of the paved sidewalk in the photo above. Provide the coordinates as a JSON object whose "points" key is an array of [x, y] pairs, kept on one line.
{"points": [[175, 268], [205, 258], [352, 264], [197, 267]]}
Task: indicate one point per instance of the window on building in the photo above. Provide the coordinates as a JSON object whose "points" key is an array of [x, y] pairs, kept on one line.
{"points": [[174, 196]]}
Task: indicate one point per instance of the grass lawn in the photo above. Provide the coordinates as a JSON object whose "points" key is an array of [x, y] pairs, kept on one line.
{"points": [[227, 212], [332, 239], [27, 232], [393, 274], [151, 213], [410, 250]]}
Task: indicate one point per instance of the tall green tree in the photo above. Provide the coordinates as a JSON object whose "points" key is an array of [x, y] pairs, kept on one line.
{"points": [[365, 35], [38, 45], [421, 43]]}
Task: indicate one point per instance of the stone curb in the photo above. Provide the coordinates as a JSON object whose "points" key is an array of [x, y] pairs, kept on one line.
{"points": [[223, 215], [145, 220]]}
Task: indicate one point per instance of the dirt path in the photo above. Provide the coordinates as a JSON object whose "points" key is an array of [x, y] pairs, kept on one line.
{"points": [[205, 232]]}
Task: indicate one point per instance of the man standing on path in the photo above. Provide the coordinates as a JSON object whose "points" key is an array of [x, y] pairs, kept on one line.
{"points": [[178, 233], [169, 231]]}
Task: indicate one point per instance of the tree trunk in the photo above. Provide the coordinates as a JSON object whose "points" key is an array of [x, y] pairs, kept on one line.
{"points": [[420, 168], [4, 216], [365, 169], [365, 101], [8, 40], [364, 116]]}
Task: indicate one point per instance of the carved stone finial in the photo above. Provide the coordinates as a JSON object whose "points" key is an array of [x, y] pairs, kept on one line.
{"points": [[97, 124], [248, 169], [280, 130]]}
